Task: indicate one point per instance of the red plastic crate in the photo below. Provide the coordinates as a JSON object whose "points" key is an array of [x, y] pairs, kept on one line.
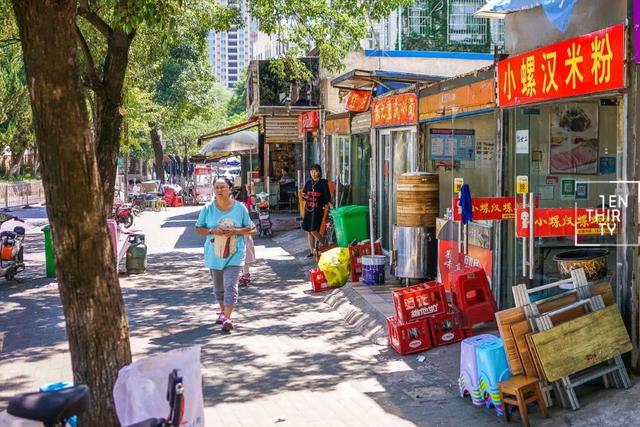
{"points": [[318, 281], [471, 293], [356, 252], [406, 338], [447, 328], [419, 301]]}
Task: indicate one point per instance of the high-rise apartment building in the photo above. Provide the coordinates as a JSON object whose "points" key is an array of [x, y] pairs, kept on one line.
{"points": [[231, 51]]}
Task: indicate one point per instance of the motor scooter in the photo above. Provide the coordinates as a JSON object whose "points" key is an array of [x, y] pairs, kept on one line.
{"points": [[122, 214], [11, 248], [264, 215]]}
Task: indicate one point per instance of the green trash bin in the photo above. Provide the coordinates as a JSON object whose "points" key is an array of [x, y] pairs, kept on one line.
{"points": [[48, 251], [350, 223]]}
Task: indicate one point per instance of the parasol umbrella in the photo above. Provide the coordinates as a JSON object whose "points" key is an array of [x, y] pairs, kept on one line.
{"points": [[236, 142], [239, 141]]}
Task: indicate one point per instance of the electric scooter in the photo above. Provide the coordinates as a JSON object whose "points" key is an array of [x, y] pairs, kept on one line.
{"points": [[11, 249]]}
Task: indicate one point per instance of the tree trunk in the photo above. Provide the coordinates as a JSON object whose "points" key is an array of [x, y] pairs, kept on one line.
{"points": [[156, 141], [94, 310], [110, 113], [16, 163]]}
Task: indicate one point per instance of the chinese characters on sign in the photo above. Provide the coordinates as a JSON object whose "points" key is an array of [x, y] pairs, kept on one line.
{"points": [[489, 208], [590, 63], [307, 122], [358, 100], [558, 222], [399, 109]]}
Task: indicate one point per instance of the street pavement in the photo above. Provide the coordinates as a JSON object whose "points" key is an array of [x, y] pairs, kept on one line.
{"points": [[291, 360]]}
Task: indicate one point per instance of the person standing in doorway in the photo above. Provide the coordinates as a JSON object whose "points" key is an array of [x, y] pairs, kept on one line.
{"points": [[226, 223], [316, 195]]}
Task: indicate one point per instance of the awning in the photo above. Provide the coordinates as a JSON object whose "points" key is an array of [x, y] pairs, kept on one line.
{"points": [[380, 80], [227, 131], [558, 11]]}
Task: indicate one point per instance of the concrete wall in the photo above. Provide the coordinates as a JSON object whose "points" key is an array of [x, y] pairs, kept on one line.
{"points": [[446, 67], [531, 29]]}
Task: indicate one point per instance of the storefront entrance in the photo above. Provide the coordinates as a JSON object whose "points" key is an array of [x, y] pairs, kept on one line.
{"points": [[397, 154], [570, 153]]}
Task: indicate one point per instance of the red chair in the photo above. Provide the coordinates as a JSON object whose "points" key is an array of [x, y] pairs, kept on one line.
{"points": [[470, 292], [169, 195], [177, 202]]}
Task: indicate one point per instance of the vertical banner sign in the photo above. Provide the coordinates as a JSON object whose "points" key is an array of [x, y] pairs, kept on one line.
{"points": [[457, 185], [358, 101], [307, 122], [399, 109], [522, 184], [582, 65]]}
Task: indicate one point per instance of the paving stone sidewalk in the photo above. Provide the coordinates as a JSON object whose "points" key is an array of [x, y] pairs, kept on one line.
{"points": [[292, 359]]}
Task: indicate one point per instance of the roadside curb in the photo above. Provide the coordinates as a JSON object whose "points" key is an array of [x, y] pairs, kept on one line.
{"points": [[359, 314]]}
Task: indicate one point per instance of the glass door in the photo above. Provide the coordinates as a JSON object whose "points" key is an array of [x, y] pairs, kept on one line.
{"points": [[361, 155], [384, 187], [568, 154]]}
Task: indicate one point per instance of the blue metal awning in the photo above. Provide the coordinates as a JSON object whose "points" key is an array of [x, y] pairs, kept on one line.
{"points": [[558, 11], [380, 81]]}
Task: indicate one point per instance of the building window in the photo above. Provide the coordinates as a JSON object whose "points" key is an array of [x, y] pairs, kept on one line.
{"points": [[464, 28]]}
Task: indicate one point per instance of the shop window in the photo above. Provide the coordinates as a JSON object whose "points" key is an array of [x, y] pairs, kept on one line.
{"points": [[570, 152]]}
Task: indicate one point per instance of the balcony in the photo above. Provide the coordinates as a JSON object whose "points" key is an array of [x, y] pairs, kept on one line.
{"points": [[269, 95]]}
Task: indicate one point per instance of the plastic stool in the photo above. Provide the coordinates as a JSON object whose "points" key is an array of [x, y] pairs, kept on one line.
{"points": [[492, 366], [177, 202], [519, 391], [469, 383], [471, 293]]}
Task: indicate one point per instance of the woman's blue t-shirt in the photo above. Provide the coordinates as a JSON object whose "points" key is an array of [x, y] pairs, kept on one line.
{"points": [[211, 217]]}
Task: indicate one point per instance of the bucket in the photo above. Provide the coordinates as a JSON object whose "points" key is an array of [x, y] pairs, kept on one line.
{"points": [[373, 269]]}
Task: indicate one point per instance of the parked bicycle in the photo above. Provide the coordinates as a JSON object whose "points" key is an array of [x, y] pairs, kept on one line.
{"points": [[55, 408]]}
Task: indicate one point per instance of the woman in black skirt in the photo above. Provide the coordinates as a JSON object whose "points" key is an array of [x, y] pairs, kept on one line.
{"points": [[316, 194]]}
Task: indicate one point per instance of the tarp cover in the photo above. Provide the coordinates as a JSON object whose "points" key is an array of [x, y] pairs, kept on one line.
{"points": [[558, 11]]}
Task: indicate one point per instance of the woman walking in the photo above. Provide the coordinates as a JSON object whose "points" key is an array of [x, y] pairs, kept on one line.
{"points": [[225, 222], [316, 194]]}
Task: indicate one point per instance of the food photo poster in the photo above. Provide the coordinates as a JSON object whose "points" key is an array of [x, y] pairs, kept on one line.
{"points": [[574, 139]]}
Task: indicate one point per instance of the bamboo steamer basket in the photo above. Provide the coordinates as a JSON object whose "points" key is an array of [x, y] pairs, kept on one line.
{"points": [[417, 199]]}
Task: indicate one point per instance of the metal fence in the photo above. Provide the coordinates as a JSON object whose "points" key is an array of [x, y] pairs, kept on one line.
{"points": [[21, 194]]}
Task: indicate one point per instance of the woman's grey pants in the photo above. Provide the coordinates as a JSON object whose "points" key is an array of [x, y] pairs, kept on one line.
{"points": [[225, 284]]}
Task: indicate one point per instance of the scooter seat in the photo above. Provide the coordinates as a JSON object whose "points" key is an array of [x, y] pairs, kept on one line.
{"points": [[19, 230], [51, 407]]}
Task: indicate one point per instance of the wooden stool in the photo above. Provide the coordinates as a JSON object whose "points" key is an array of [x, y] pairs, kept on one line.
{"points": [[520, 390]]}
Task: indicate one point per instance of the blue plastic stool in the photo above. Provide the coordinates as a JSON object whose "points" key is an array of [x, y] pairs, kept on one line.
{"points": [[469, 382], [492, 369]]}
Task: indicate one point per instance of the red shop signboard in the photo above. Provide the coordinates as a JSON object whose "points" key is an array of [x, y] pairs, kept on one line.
{"points": [[491, 208], [559, 222], [399, 109], [307, 122], [358, 100], [582, 65]]}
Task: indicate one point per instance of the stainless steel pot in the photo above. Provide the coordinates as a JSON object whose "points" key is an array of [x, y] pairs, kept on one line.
{"points": [[415, 252]]}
